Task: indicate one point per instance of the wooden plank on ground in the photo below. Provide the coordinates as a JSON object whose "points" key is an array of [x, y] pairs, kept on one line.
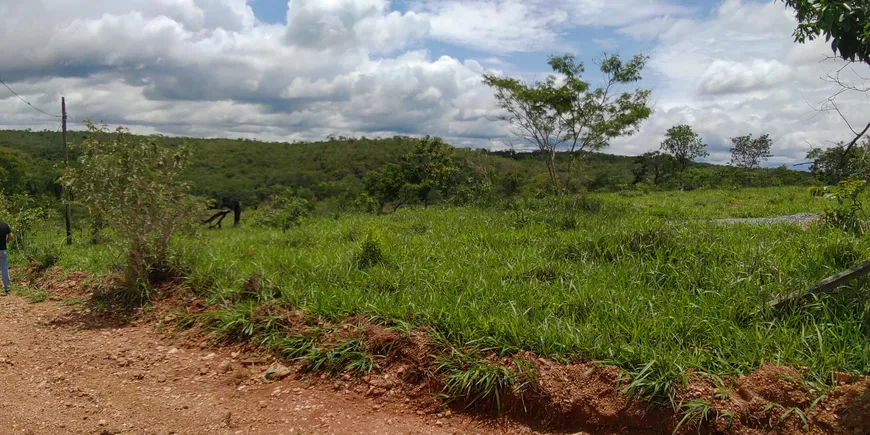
{"points": [[827, 285]]}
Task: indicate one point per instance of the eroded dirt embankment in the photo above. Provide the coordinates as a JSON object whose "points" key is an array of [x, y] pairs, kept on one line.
{"points": [[66, 370]]}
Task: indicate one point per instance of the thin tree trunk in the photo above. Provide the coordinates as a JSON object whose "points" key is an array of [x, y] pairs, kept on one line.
{"points": [[551, 166]]}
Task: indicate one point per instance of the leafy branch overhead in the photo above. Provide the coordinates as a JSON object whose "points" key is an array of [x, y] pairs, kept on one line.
{"points": [[846, 25], [843, 23], [564, 111]]}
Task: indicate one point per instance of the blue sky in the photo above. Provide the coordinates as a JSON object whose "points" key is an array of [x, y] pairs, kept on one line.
{"points": [[240, 68]]}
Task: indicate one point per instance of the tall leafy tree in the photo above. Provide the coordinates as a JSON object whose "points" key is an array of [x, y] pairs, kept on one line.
{"points": [[685, 145], [748, 152], [566, 112], [431, 167], [386, 186]]}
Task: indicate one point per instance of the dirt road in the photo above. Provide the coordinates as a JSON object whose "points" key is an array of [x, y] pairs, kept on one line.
{"points": [[65, 372]]}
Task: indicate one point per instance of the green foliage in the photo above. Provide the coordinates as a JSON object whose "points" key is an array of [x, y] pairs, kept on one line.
{"points": [[653, 166], [477, 381], [427, 169], [568, 113], [845, 207], [25, 216], [748, 152], [348, 356], [661, 290], [134, 186], [331, 173], [387, 186], [13, 175], [371, 250], [685, 146], [286, 210], [695, 411], [430, 167], [844, 23], [833, 164]]}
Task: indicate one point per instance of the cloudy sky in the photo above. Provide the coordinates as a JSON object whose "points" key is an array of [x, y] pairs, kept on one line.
{"points": [[305, 69]]}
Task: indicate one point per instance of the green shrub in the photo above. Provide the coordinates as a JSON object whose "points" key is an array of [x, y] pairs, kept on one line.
{"points": [[371, 251], [286, 211], [134, 184], [845, 206]]}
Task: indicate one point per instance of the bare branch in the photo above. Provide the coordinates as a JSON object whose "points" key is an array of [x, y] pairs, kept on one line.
{"points": [[848, 124]]}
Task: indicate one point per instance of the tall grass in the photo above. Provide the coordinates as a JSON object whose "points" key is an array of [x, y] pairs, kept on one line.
{"points": [[629, 285]]}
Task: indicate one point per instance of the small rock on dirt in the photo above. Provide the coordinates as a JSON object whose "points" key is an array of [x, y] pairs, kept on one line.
{"points": [[224, 366], [277, 372]]}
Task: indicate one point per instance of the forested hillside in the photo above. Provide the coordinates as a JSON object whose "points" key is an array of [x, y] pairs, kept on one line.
{"points": [[335, 169]]}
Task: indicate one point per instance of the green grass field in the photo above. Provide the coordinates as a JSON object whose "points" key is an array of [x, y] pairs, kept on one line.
{"points": [[643, 282]]}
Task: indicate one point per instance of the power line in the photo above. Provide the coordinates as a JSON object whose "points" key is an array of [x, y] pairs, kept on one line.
{"points": [[28, 102]]}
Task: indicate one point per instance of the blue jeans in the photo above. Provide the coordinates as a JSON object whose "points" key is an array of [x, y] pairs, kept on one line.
{"points": [[4, 268]]}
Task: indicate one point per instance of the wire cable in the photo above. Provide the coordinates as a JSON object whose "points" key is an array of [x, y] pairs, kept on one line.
{"points": [[28, 102]]}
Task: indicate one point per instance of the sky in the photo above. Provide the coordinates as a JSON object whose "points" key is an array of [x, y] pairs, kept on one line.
{"points": [[307, 69]]}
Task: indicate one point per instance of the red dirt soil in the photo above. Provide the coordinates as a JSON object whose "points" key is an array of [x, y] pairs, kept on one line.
{"points": [[64, 371]]}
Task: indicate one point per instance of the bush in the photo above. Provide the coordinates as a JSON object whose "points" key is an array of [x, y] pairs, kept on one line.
{"points": [[23, 214], [845, 207], [286, 211], [135, 187], [371, 251]]}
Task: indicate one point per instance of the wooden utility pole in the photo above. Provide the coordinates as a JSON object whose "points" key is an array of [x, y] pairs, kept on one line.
{"points": [[67, 214]]}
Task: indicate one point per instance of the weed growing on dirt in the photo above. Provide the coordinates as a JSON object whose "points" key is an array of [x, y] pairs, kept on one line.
{"points": [[347, 356], [476, 381], [33, 296], [694, 412]]}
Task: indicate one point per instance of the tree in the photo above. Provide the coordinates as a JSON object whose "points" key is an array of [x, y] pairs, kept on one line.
{"points": [[653, 163], [834, 164], [844, 23], [748, 152], [427, 168], [685, 145], [430, 167], [134, 186], [566, 112], [386, 186]]}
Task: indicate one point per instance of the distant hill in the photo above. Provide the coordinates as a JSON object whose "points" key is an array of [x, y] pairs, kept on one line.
{"points": [[252, 170]]}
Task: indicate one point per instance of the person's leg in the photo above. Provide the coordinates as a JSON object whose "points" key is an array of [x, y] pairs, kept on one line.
{"points": [[4, 268]]}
